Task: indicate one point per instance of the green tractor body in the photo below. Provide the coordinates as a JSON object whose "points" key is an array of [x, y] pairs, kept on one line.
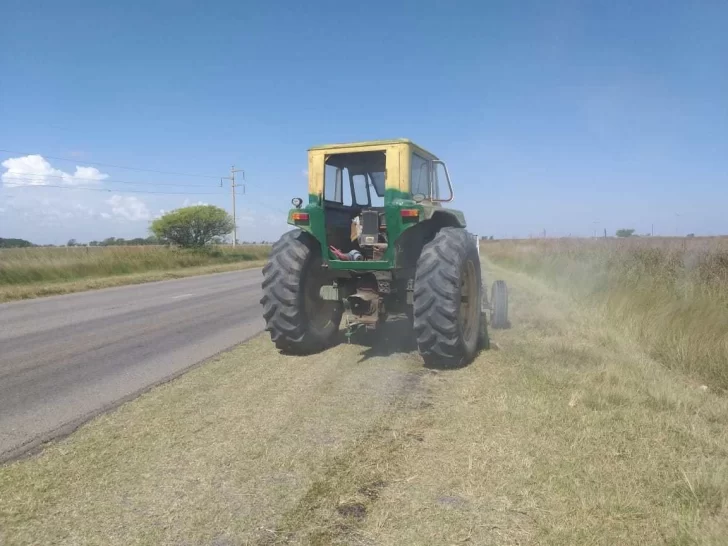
{"points": [[372, 240]]}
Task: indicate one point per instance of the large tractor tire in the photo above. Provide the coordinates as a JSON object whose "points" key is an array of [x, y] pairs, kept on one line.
{"points": [[298, 319], [447, 299]]}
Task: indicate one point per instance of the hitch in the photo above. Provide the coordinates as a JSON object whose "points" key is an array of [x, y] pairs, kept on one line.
{"points": [[364, 309]]}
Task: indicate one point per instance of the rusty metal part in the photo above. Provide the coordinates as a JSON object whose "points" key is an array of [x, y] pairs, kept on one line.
{"points": [[364, 306]]}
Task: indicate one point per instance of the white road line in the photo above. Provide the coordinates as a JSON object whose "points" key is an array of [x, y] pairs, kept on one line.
{"points": [[182, 296]]}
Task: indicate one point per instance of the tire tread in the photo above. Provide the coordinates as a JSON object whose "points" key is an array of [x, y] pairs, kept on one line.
{"points": [[437, 297], [281, 300]]}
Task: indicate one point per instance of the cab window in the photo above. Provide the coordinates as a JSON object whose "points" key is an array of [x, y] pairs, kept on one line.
{"points": [[355, 179], [420, 176]]}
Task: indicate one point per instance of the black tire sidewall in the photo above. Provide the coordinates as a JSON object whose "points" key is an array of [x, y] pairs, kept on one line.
{"points": [[438, 296], [312, 265], [470, 346], [293, 257]]}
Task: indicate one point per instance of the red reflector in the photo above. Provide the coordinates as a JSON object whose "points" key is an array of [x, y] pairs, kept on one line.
{"points": [[410, 213], [300, 216]]}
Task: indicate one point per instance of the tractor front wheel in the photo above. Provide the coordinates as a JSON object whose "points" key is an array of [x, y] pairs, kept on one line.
{"points": [[447, 299], [298, 319]]}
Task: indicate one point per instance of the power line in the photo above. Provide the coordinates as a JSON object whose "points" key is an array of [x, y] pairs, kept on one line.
{"points": [[115, 190], [110, 165], [253, 200], [108, 190], [105, 180]]}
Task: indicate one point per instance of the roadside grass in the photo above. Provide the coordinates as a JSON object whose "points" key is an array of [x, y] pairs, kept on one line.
{"points": [[671, 295], [33, 272], [218, 455], [566, 433]]}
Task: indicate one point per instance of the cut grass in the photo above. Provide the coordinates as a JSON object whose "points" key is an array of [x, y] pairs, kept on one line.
{"points": [[670, 295], [33, 272], [567, 433]]}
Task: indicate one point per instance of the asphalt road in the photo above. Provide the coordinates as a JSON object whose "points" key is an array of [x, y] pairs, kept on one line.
{"points": [[64, 359]]}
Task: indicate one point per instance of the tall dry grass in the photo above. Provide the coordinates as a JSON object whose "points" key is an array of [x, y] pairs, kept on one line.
{"points": [[671, 294], [20, 266]]}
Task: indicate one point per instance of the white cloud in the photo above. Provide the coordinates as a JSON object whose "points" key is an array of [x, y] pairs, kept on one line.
{"points": [[40, 212], [188, 203], [34, 170], [31, 170], [128, 208], [85, 174], [84, 210]]}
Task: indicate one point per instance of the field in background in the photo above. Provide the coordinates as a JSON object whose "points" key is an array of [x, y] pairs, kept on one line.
{"points": [[671, 295], [31, 272]]}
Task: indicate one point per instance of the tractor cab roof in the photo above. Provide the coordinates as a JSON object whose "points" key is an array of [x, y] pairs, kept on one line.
{"points": [[372, 143]]}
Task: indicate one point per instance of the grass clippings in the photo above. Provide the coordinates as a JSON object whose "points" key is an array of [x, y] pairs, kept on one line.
{"points": [[570, 433]]}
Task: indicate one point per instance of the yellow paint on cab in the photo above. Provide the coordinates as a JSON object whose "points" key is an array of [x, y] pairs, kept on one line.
{"points": [[398, 165]]}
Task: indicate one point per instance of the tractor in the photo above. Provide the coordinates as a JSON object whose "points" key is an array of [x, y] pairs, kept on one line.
{"points": [[374, 240]]}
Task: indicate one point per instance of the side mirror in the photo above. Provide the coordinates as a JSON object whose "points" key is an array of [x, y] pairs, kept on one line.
{"points": [[297, 202]]}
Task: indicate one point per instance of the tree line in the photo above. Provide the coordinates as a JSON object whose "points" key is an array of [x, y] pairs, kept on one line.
{"points": [[187, 227], [119, 241]]}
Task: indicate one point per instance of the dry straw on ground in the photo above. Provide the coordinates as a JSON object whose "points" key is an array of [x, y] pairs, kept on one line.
{"points": [[569, 433], [671, 294]]}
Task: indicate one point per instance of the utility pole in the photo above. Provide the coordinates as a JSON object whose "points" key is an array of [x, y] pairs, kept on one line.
{"points": [[233, 170]]}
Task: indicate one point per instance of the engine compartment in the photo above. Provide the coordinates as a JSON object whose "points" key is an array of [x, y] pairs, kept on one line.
{"points": [[359, 230]]}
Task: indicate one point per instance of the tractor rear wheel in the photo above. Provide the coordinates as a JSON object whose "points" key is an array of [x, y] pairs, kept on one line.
{"points": [[447, 299], [298, 319]]}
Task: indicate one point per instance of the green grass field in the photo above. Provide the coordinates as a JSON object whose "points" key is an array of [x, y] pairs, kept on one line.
{"points": [[570, 431], [32, 272]]}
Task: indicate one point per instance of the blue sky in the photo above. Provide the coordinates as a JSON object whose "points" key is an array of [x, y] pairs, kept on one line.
{"points": [[551, 115]]}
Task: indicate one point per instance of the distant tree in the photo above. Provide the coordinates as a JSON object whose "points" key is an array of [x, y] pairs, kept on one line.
{"points": [[72, 242], [93, 243], [624, 232], [194, 226], [14, 243], [691, 235]]}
